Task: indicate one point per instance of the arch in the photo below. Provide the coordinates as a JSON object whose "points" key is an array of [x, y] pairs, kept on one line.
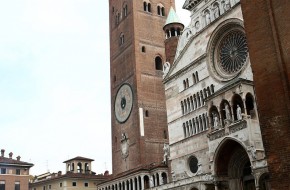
{"points": [[72, 167], [158, 63], [164, 177], [193, 78], [145, 6], [136, 183], [196, 75], [250, 108], [146, 182], [264, 181], [213, 111], [237, 102], [79, 168], [172, 32], [125, 10], [87, 168], [122, 39], [149, 7], [143, 49], [68, 167], [232, 162], [194, 126]]}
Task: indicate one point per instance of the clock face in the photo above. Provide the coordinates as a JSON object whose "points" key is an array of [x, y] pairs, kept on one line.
{"points": [[123, 103]]}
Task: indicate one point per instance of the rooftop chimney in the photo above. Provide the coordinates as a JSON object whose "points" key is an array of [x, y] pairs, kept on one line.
{"points": [[18, 158], [2, 152], [10, 155]]}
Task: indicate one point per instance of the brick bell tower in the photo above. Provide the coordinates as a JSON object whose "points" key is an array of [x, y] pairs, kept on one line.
{"points": [[137, 55]]}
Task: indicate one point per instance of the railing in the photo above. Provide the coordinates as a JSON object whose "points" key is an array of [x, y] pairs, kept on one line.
{"points": [[232, 128]]}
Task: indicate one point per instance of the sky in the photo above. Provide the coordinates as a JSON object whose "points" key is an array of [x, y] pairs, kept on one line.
{"points": [[55, 83]]}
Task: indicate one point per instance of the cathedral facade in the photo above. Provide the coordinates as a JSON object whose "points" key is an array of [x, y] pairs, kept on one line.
{"points": [[213, 122]]}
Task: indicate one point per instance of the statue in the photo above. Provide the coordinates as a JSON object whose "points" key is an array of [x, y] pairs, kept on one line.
{"points": [[239, 113], [253, 152], [166, 153], [228, 113], [207, 17], [166, 68], [227, 5], [216, 11], [215, 121]]}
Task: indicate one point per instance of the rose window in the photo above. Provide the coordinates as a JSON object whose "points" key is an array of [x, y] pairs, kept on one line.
{"points": [[233, 52]]}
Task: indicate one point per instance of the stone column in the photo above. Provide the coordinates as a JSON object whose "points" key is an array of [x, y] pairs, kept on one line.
{"points": [[133, 183], [142, 182], [160, 179]]}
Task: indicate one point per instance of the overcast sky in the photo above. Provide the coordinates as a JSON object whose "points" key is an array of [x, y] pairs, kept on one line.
{"points": [[54, 81]]}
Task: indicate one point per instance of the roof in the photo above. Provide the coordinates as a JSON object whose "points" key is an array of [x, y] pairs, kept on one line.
{"points": [[70, 175], [10, 161], [172, 17], [79, 158]]}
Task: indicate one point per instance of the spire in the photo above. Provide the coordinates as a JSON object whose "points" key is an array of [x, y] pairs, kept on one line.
{"points": [[172, 17]]}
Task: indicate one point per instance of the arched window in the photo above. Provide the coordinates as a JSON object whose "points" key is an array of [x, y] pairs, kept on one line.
{"points": [[125, 10], [184, 130], [149, 7], [79, 167], [122, 39], [172, 31], [238, 106], [145, 6], [196, 75], [143, 49], [193, 78], [187, 83], [212, 88], [250, 105], [158, 63], [192, 104], [182, 108], [194, 126], [158, 10], [162, 11]]}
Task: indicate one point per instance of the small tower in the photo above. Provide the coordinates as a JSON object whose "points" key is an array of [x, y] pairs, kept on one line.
{"points": [[173, 29], [79, 165]]}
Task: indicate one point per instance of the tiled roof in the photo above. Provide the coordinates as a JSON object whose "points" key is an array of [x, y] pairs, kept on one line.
{"points": [[79, 158], [10, 161]]}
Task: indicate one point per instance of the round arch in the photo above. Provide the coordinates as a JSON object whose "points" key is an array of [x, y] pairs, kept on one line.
{"points": [[232, 165]]}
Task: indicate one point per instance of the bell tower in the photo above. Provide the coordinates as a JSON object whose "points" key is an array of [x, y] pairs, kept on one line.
{"points": [[137, 55]]}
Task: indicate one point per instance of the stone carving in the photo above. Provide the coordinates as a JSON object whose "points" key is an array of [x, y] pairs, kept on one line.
{"points": [[216, 135], [207, 17], [252, 150], [238, 126], [215, 121], [197, 25], [166, 68], [208, 177], [166, 153], [239, 113], [216, 11], [124, 146], [228, 113], [199, 170], [227, 5]]}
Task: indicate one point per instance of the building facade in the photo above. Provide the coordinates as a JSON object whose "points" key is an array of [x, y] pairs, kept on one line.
{"points": [[14, 174], [213, 122], [78, 176], [139, 125]]}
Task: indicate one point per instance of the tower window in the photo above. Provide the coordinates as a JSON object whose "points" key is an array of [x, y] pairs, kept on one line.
{"points": [[122, 39], [160, 10], [146, 113], [74, 184], [143, 49], [147, 7], [158, 63], [125, 10]]}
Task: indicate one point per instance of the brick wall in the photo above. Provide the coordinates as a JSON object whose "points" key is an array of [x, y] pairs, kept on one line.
{"points": [[267, 24]]}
